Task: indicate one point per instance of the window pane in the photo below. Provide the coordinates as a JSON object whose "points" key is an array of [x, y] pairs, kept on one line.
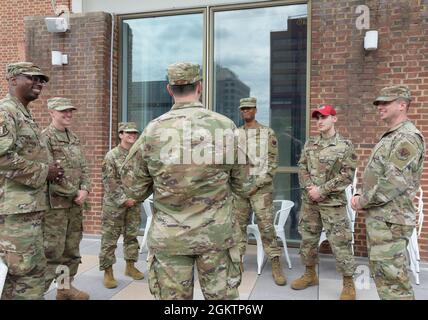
{"points": [[262, 53], [286, 187], [149, 46]]}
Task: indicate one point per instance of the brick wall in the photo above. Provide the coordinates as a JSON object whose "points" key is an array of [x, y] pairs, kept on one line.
{"points": [[86, 80], [12, 35], [344, 74]]}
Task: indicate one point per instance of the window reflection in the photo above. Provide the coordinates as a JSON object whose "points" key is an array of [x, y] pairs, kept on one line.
{"points": [[288, 89], [229, 89], [261, 52], [151, 45]]}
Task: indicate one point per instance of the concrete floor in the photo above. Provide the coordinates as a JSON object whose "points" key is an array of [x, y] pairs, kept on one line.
{"points": [[253, 286]]}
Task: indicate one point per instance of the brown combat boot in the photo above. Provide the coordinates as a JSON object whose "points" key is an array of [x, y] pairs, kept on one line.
{"points": [[277, 273], [109, 280], [133, 272], [348, 291], [309, 278], [71, 294]]}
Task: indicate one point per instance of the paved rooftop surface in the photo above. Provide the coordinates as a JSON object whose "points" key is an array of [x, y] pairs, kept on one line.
{"points": [[253, 286]]}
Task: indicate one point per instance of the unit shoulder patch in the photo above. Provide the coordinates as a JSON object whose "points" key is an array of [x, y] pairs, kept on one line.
{"points": [[3, 124], [403, 155], [274, 143]]}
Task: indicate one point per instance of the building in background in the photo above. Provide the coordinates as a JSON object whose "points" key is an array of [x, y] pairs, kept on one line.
{"points": [[229, 90]]}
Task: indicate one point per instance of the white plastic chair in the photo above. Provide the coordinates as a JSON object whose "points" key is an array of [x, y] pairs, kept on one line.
{"points": [[148, 207], [280, 219], [3, 275], [349, 191], [413, 246]]}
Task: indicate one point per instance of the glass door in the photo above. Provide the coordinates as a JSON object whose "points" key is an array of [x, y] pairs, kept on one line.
{"points": [[261, 52], [257, 50]]}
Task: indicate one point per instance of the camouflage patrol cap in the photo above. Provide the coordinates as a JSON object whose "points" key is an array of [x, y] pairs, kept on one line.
{"points": [[182, 73], [60, 104], [27, 68], [392, 93], [127, 127], [250, 102]]}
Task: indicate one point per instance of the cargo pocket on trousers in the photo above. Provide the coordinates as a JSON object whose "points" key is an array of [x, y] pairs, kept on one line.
{"points": [[342, 232], [234, 275], [153, 279], [20, 263], [76, 222]]}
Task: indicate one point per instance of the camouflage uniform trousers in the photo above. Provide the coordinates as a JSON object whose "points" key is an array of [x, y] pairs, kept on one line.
{"points": [[114, 223], [21, 247], [335, 222], [62, 232], [171, 277], [387, 243], [262, 205]]}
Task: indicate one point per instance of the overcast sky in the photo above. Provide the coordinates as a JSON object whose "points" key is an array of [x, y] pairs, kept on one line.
{"points": [[241, 44]]}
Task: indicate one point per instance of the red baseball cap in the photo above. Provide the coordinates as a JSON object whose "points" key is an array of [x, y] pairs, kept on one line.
{"points": [[325, 110]]}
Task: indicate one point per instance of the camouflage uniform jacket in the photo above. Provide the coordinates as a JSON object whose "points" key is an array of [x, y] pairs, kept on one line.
{"points": [[24, 160], [114, 194], [65, 148], [391, 177], [192, 199], [264, 167], [329, 164]]}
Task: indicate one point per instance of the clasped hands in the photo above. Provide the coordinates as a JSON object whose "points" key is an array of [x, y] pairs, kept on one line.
{"points": [[355, 203], [314, 193], [55, 172], [130, 203]]}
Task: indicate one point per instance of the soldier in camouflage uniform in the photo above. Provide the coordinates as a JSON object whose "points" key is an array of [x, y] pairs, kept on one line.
{"points": [[25, 166], [192, 176], [121, 214], [390, 182], [261, 202], [326, 167], [62, 224]]}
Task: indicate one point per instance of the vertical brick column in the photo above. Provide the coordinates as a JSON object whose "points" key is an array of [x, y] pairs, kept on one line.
{"points": [[85, 80]]}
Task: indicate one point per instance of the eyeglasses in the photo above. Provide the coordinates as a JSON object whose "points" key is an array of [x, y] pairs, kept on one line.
{"points": [[36, 79], [383, 103]]}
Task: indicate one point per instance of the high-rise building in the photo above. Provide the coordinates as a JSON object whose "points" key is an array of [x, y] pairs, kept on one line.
{"points": [[229, 90]]}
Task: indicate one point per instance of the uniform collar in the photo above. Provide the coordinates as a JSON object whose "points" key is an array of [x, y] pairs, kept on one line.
{"points": [[396, 127], [190, 104], [332, 141], [63, 136], [122, 149], [20, 106], [257, 126]]}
